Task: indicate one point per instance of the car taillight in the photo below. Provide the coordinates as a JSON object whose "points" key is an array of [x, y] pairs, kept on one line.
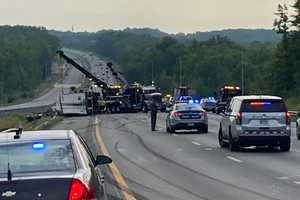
{"points": [[238, 118], [176, 114], [79, 191], [287, 118]]}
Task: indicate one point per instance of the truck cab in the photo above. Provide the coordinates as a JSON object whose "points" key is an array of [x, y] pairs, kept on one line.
{"points": [[225, 95]]}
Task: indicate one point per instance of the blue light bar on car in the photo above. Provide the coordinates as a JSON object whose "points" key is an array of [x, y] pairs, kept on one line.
{"points": [[191, 101], [260, 103], [38, 146]]}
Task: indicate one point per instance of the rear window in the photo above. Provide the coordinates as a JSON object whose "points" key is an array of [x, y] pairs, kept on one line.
{"points": [[263, 106], [188, 107], [39, 156]]}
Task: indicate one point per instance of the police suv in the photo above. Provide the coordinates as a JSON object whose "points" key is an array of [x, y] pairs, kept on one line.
{"points": [[255, 121]]}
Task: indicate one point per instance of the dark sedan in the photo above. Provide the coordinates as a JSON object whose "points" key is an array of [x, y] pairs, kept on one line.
{"points": [[49, 165]]}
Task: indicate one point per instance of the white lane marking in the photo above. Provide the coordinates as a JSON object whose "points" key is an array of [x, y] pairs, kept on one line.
{"points": [[208, 149], [196, 143], [234, 159], [297, 151], [297, 182], [175, 134], [179, 149], [282, 178]]}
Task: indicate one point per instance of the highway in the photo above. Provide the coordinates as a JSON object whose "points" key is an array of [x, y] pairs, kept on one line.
{"points": [[183, 166], [186, 165], [72, 76]]}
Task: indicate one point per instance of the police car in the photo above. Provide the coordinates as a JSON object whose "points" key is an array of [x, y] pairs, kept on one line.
{"points": [[187, 116], [49, 165]]}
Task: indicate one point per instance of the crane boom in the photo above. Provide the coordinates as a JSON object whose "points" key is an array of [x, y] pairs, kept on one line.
{"points": [[87, 74]]}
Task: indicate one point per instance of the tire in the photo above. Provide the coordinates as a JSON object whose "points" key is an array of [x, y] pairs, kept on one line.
{"points": [[285, 145], [220, 137], [172, 130], [233, 146], [205, 130]]}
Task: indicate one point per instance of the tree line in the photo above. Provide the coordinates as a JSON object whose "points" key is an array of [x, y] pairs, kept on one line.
{"points": [[26, 56], [204, 66], [267, 68]]}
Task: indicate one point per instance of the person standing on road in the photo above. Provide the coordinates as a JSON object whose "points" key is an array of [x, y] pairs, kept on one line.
{"points": [[153, 108]]}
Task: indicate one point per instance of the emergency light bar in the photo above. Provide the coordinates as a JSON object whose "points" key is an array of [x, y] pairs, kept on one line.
{"points": [[260, 103]]}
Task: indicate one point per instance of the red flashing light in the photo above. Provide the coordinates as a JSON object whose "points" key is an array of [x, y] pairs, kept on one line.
{"points": [[260, 103]]}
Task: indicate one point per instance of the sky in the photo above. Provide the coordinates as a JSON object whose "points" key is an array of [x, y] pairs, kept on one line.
{"points": [[171, 16]]}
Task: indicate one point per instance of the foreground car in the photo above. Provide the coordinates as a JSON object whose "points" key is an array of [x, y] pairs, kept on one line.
{"points": [[187, 117], [255, 121], [49, 165]]}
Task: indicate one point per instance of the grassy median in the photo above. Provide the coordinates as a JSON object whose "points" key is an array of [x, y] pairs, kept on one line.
{"points": [[19, 120]]}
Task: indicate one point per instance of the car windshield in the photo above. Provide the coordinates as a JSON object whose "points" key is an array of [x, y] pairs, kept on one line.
{"points": [[188, 107], [36, 157]]}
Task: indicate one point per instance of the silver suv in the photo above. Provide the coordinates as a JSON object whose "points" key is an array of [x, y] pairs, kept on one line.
{"points": [[255, 121]]}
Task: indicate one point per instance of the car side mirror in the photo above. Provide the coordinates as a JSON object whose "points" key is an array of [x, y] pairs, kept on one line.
{"points": [[103, 160]]}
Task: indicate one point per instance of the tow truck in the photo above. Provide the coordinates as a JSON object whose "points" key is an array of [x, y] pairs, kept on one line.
{"points": [[226, 93], [111, 95], [152, 93]]}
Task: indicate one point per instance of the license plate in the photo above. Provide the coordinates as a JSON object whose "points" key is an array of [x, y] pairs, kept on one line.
{"points": [[263, 122], [190, 124]]}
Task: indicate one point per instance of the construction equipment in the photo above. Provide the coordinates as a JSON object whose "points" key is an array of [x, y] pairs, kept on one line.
{"points": [[226, 93]]}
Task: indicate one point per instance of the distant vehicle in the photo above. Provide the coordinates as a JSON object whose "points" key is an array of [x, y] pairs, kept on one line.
{"points": [[226, 93], [150, 93], [187, 117], [72, 104], [134, 96], [209, 104], [255, 121], [183, 91], [49, 165]]}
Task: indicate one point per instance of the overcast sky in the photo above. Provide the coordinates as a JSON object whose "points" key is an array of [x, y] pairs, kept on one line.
{"points": [[167, 15]]}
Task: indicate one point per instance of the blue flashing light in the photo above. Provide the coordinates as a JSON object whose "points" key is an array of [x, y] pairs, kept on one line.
{"points": [[196, 101], [38, 146], [260, 103], [191, 101]]}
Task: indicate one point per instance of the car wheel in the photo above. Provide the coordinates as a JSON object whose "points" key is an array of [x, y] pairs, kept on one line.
{"points": [[172, 130], [221, 141], [167, 129], [285, 145], [205, 130], [233, 146]]}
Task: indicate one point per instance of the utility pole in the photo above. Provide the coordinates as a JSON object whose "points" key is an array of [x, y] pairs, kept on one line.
{"points": [[152, 73], [180, 72], [243, 74]]}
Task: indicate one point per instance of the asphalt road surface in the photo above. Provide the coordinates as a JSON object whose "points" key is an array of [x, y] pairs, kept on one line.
{"points": [[185, 165]]}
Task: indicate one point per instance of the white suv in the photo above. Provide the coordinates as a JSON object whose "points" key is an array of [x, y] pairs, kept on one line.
{"points": [[255, 121]]}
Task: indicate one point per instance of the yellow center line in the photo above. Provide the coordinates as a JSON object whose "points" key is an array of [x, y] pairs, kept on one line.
{"points": [[114, 169]]}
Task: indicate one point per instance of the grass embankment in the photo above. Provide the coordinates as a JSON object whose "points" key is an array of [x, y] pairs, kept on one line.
{"points": [[19, 120]]}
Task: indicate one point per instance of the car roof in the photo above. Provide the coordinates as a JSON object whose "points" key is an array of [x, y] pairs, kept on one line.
{"points": [[257, 97], [36, 135]]}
